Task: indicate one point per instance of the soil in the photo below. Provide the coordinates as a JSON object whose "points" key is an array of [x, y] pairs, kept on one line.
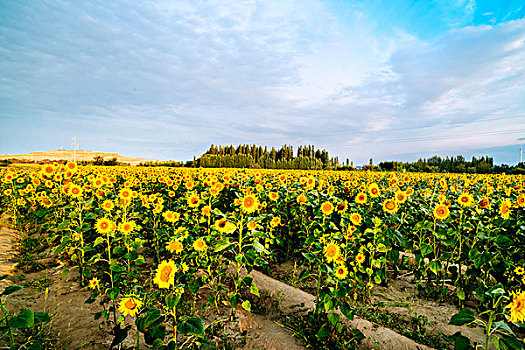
{"points": [[73, 321]]}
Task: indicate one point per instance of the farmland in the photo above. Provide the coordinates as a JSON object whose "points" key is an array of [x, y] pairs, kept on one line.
{"points": [[171, 256]]}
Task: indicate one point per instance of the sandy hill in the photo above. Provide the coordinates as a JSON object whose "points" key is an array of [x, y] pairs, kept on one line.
{"points": [[68, 155]]}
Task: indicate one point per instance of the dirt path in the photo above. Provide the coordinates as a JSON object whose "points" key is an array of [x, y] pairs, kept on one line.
{"points": [[73, 320], [7, 252]]}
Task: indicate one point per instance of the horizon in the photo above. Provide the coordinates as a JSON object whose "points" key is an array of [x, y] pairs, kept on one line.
{"points": [[391, 81]]}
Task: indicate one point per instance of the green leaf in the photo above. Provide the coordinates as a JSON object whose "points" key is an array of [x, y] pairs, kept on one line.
{"points": [[260, 248], [11, 289], [192, 326], [222, 245], [323, 333], [381, 248], [333, 318], [246, 305], [435, 266], [42, 317], [463, 317], [426, 249], [120, 334], [502, 325], [461, 342], [113, 293], [117, 268], [98, 241], [254, 290], [511, 343], [24, 319]]}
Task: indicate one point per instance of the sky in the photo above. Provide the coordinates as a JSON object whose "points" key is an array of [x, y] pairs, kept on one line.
{"points": [[387, 80]]}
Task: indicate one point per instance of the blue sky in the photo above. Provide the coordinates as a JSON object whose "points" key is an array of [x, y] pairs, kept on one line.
{"points": [[388, 80]]}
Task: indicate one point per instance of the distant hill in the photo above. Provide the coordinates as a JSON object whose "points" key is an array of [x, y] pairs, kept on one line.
{"points": [[68, 155]]}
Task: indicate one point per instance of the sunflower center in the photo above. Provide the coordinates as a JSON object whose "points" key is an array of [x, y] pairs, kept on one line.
{"points": [[130, 304], [390, 205], [248, 202], [165, 273], [331, 250], [104, 225]]}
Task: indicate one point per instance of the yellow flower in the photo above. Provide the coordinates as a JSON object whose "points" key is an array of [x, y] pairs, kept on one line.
{"points": [[517, 308], [251, 225], [441, 212], [504, 208], [332, 252], [360, 258], [360, 198], [356, 218], [401, 197], [274, 196], [129, 305], [94, 283], [165, 275], [301, 199], [174, 246], [126, 227], [275, 221], [390, 206], [519, 270], [374, 190], [170, 216], [224, 226], [327, 208], [108, 205], [249, 203], [200, 245], [75, 191], [193, 201], [466, 199], [341, 272], [104, 225], [341, 207]]}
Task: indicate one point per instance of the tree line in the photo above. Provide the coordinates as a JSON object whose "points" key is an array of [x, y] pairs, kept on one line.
{"points": [[253, 156]]}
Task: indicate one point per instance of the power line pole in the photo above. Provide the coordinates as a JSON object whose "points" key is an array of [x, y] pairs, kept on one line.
{"points": [[74, 148], [521, 154]]}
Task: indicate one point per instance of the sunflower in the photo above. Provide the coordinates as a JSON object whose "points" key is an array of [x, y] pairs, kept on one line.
{"points": [[356, 218], [174, 246], [129, 305], [275, 221], [165, 275], [170, 216], [104, 225], [94, 283], [224, 226], [441, 212], [401, 197], [341, 207], [251, 225], [125, 194], [249, 203], [206, 211], [274, 196], [519, 270], [517, 308], [331, 252], [360, 258], [374, 190], [193, 201], [390, 206], [301, 199], [520, 201], [341, 272], [126, 227], [504, 208], [484, 203], [108, 205], [466, 199], [360, 198], [75, 191], [200, 245], [327, 208]]}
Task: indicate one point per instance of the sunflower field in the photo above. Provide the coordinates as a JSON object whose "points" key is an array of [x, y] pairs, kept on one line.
{"points": [[149, 241]]}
